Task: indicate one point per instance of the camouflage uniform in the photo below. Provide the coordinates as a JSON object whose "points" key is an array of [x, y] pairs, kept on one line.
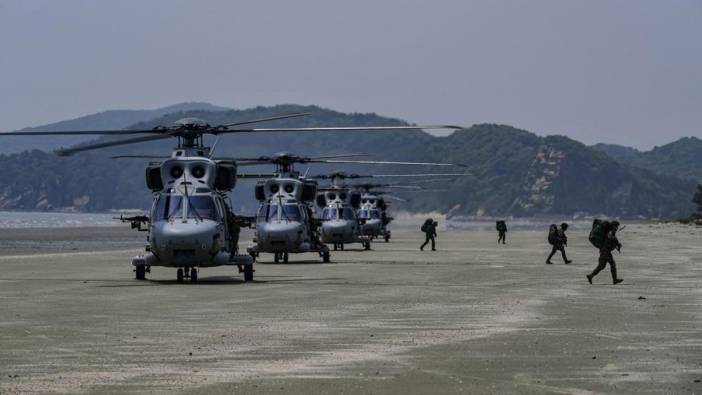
{"points": [[430, 235], [559, 245], [611, 243], [502, 233]]}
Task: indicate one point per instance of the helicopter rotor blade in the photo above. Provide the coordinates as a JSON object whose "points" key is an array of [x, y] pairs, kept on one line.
{"points": [[140, 157], [419, 175], [160, 130], [256, 175], [71, 151], [351, 155], [382, 162], [335, 128], [295, 115]]}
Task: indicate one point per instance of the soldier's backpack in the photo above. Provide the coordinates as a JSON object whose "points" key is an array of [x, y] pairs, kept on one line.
{"points": [[500, 226], [553, 234], [598, 233], [425, 227]]}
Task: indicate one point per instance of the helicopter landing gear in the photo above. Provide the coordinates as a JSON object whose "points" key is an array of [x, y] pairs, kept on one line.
{"points": [[140, 272], [336, 246], [248, 273], [325, 256], [276, 258], [193, 275], [387, 238], [285, 257], [179, 275], [366, 245]]}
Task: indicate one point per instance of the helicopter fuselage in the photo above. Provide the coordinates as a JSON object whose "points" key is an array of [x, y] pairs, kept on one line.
{"points": [[284, 223], [372, 216], [188, 222]]}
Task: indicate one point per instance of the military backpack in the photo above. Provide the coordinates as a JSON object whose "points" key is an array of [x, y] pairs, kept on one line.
{"points": [[553, 234], [598, 233]]}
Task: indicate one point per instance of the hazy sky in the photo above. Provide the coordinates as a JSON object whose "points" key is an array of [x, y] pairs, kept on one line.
{"points": [[625, 72]]}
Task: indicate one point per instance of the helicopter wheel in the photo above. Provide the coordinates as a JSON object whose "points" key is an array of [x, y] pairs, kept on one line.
{"points": [[285, 257], [193, 275], [248, 273], [387, 238], [140, 272], [325, 257], [336, 246], [366, 245], [179, 275], [341, 245], [276, 259]]}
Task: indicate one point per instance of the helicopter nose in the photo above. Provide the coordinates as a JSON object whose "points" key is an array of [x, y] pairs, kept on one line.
{"points": [[338, 230], [189, 239], [281, 236]]}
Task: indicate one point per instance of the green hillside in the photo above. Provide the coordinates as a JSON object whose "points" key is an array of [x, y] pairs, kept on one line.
{"points": [[515, 172]]}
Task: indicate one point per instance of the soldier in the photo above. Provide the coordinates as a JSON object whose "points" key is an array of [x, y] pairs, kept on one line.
{"points": [[429, 229], [611, 242], [234, 231], [502, 232], [559, 241]]}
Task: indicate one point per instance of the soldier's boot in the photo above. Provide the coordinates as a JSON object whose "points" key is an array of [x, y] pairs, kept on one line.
{"points": [[613, 268], [589, 278]]}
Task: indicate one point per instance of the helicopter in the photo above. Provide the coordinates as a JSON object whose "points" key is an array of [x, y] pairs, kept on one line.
{"points": [[373, 213], [191, 225], [285, 222], [340, 206], [373, 210]]}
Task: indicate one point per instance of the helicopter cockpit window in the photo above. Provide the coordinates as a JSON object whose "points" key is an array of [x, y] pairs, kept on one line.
{"points": [[167, 206], [268, 212], [364, 214], [346, 213], [202, 207], [291, 212], [328, 213], [374, 214], [289, 188], [262, 212]]}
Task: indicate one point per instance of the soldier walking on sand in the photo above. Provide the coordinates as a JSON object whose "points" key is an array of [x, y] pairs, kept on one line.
{"points": [[501, 232], [558, 239], [610, 244], [429, 229]]}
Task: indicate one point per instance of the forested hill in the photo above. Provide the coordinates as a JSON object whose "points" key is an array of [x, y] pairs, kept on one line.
{"points": [[112, 119], [681, 158], [515, 172]]}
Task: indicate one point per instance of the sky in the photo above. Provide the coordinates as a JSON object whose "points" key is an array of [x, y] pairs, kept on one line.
{"points": [[625, 72]]}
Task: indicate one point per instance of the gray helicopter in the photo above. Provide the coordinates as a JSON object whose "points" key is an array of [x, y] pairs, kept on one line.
{"points": [[373, 212], [190, 225], [285, 222], [341, 204]]}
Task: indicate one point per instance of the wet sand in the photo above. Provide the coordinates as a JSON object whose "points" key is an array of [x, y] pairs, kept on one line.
{"points": [[473, 317]]}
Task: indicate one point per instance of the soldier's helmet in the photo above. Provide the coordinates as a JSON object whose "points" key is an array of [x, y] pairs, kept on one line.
{"points": [[564, 226], [615, 224]]}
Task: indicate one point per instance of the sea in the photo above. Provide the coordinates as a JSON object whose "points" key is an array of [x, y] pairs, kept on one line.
{"points": [[30, 219]]}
